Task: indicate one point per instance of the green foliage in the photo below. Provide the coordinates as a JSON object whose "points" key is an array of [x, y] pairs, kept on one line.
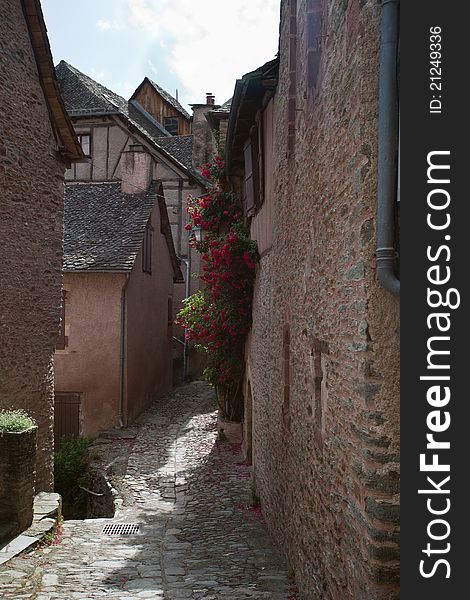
{"points": [[70, 475], [15, 420], [53, 537]]}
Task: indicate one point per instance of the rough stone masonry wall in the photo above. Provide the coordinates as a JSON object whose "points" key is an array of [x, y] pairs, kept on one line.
{"points": [[323, 354], [31, 225], [17, 479]]}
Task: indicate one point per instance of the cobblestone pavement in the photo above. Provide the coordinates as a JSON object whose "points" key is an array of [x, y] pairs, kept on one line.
{"points": [[199, 537]]}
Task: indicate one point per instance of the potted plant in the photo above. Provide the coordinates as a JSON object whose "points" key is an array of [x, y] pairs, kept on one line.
{"points": [[17, 471]]}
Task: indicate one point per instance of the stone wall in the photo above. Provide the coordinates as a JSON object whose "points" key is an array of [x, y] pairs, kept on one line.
{"points": [[17, 481], [31, 225], [323, 355], [204, 144]]}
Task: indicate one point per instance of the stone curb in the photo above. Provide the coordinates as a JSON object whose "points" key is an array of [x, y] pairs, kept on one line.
{"points": [[47, 509]]}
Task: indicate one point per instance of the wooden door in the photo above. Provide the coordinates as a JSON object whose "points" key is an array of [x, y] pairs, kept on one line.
{"points": [[66, 416]]}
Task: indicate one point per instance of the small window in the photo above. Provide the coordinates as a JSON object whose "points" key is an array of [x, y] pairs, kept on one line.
{"points": [[249, 183], [147, 249], [62, 341], [253, 172], [171, 124], [314, 42], [170, 311], [85, 142], [286, 416]]}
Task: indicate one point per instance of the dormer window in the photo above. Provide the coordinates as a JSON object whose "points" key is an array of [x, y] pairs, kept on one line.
{"points": [[85, 142], [171, 124]]}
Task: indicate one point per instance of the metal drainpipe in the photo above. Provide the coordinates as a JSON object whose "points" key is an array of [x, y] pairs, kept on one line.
{"points": [[186, 295], [386, 253], [122, 351]]}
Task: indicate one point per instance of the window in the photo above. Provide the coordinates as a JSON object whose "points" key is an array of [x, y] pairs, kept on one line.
{"points": [[292, 92], [254, 194], [85, 142], [170, 311], [147, 249], [249, 182], [171, 124], [314, 42], [319, 385], [62, 341], [286, 373]]}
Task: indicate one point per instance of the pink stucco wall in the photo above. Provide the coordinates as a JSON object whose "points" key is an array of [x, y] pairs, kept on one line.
{"points": [[90, 363], [148, 335]]}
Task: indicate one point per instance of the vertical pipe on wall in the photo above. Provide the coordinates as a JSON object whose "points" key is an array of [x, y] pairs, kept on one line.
{"points": [[122, 352], [186, 295], [387, 150]]}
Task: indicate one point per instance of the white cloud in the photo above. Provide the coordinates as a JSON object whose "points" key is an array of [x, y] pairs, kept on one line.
{"points": [[106, 25], [211, 45], [152, 67]]}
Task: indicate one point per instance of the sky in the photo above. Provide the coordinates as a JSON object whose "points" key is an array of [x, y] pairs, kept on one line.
{"points": [[193, 46]]}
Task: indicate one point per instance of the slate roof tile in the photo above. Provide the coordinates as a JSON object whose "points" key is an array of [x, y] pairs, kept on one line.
{"points": [[181, 147], [104, 228], [84, 96]]}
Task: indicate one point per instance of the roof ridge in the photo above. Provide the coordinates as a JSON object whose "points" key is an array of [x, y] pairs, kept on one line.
{"points": [[136, 104], [130, 111], [172, 99], [102, 92]]}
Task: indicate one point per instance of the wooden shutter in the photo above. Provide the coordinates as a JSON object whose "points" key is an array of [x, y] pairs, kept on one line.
{"points": [[147, 249], [255, 163], [259, 198], [170, 311], [249, 188], [252, 172], [62, 339]]}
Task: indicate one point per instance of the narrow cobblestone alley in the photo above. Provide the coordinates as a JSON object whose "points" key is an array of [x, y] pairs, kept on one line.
{"points": [[190, 496]]}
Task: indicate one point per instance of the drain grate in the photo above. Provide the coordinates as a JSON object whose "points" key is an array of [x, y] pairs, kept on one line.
{"points": [[120, 529]]}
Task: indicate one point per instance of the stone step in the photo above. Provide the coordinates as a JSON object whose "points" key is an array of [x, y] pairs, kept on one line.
{"points": [[47, 508]]}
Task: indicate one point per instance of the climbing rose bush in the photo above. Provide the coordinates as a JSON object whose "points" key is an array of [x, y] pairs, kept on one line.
{"points": [[213, 211], [215, 170], [218, 317]]}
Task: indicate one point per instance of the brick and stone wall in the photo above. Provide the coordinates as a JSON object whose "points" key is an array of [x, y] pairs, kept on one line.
{"points": [[31, 225], [323, 355]]}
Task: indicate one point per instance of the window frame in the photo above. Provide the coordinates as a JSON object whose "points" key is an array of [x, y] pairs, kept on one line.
{"points": [[80, 137], [254, 168], [171, 129], [170, 310], [147, 249], [62, 340]]}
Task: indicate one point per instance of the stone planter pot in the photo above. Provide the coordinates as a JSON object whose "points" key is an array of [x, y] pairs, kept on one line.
{"points": [[232, 430], [17, 481]]}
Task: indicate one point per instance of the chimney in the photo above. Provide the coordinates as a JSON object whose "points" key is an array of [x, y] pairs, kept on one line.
{"points": [[136, 170], [203, 140]]}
